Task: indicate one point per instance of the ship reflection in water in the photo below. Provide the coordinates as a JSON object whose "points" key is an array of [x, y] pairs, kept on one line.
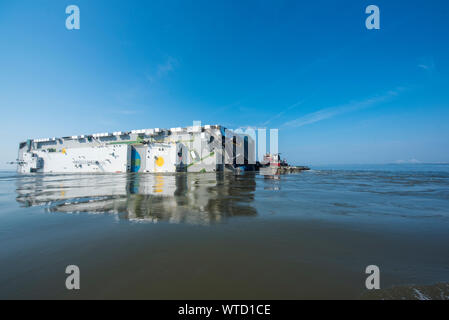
{"points": [[179, 198]]}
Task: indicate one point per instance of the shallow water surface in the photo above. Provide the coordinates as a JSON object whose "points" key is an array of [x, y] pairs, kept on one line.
{"points": [[213, 236]]}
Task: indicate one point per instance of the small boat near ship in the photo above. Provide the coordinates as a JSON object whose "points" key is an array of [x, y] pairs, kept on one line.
{"points": [[273, 165]]}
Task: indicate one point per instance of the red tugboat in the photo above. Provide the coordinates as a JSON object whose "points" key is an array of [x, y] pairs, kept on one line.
{"points": [[273, 165], [273, 160]]}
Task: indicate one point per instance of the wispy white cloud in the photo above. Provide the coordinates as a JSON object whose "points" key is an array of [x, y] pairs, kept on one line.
{"points": [[280, 114], [410, 161], [125, 112], [331, 112], [427, 64], [163, 69], [424, 66]]}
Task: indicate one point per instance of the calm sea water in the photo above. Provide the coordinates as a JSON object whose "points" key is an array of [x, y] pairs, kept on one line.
{"points": [[219, 236]]}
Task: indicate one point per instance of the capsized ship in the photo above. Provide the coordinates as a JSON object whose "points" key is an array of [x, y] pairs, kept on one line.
{"points": [[208, 148]]}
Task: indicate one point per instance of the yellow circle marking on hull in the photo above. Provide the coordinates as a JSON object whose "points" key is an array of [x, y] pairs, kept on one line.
{"points": [[160, 161]]}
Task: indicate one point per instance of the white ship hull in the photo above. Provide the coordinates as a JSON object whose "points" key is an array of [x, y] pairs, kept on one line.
{"points": [[191, 149]]}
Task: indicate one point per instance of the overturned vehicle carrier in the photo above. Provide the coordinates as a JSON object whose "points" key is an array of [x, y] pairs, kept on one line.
{"points": [[208, 148]]}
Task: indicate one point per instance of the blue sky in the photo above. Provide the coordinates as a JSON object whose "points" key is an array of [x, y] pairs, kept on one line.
{"points": [[337, 92]]}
